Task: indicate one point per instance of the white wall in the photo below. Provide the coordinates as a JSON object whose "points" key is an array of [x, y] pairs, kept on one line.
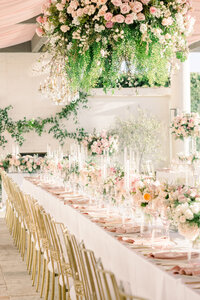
{"points": [[19, 88]]}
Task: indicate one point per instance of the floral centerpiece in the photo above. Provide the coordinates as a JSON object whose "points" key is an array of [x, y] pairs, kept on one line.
{"points": [[114, 185], [25, 163], [190, 159], [103, 39], [101, 143], [146, 192], [186, 125], [185, 208]]}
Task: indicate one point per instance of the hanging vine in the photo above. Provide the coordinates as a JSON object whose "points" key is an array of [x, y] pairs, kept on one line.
{"points": [[17, 129]]}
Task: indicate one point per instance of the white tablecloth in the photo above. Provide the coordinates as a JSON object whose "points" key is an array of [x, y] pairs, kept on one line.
{"points": [[144, 277]]}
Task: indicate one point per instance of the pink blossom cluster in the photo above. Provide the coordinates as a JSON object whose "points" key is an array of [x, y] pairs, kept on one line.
{"points": [[186, 125], [99, 15], [26, 163], [99, 144]]}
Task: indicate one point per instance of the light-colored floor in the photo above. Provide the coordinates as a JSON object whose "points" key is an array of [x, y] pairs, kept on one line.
{"points": [[15, 283]]}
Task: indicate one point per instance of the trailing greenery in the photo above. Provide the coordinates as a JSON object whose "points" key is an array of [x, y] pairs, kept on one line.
{"points": [[17, 129], [102, 41], [195, 92]]}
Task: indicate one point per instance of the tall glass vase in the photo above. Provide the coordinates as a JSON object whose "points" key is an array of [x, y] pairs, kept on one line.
{"points": [[193, 145]]}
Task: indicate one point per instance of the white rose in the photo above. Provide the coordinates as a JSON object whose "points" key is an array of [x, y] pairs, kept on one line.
{"points": [[189, 214], [143, 28], [195, 208]]}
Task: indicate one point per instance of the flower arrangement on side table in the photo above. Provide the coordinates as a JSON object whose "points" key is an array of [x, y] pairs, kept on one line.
{"points": [[186, 125]]}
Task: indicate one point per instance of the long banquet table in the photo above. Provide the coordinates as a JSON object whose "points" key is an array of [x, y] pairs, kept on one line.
{"points": [[142, 275]]}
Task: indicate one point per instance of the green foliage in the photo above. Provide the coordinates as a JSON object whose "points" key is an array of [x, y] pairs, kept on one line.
{"points": [[17, 129], [126, 60], [195, 96], [195, 92]]}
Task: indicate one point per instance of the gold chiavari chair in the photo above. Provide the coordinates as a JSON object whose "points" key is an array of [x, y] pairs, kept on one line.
{"points": [[63, 258], [74, 267]]}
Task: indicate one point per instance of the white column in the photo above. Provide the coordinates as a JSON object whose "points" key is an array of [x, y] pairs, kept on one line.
{"points": [[180, 99]]}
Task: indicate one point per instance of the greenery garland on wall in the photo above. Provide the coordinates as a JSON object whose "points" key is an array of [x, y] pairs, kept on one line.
{"points": [[17, 129]]}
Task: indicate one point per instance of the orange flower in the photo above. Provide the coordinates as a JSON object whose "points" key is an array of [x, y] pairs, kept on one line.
{"points": [[147, 197]]}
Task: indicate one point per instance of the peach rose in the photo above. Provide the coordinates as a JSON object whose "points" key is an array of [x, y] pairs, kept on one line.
{"points": [[102, 2], [129, 19], [64, 28], [145, 1], [167, 21], [108, 16], [125, 8], [116, 2], [119, 18], [136, 6], [59, 7], [140, 17], [80, 12]]}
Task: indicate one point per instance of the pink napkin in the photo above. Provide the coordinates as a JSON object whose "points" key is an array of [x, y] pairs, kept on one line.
{"points": [[126, 239], [171, 255], [190, 269]]}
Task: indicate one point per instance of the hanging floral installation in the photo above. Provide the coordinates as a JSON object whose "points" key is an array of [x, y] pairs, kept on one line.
{"points": [[101, 40]]}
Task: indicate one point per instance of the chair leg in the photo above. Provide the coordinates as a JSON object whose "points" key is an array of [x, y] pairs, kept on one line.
{"points": [[53, 286], [34, 266], [24, 243], [39, 269], [43, 276], [28, 250], [64, 292], [59, 291], [47, 285], [31, 259]]}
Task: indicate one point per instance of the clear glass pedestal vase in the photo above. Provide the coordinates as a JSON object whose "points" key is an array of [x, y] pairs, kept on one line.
{"points": [[193, 147]]}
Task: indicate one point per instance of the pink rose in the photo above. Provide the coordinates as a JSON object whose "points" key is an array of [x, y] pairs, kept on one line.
{"points": [[63, 2], [125, 8], [109, 24], [153, 10], [129, 19], [39, 31], [140, 17], [116, 2], [136, 6], [167, 21], [145, 1], [119, 18], [40, 20], [45, 19], [108, 16]]}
